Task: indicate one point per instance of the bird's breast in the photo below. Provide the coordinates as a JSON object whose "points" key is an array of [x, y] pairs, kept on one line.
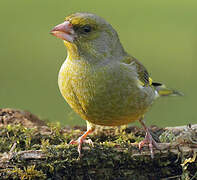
{"points": [[104, 95]]}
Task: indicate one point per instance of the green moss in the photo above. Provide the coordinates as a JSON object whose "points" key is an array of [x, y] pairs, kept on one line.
{"points": [[28, 173], [16, 134], [112, 156], [189, 166], [167, 136]]}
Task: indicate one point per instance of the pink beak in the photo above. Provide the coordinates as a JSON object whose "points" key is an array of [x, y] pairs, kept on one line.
{"points": [[64, 31]]}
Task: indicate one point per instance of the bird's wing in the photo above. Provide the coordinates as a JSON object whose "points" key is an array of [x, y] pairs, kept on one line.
{"points": [[142, 73]]}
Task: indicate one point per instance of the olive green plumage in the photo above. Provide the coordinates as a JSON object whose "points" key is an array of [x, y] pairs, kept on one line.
{"points": [[100, 80]]}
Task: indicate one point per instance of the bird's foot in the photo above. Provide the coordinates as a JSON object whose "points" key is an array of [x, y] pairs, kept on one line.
{"points": [[150, 141], [82, 140]]}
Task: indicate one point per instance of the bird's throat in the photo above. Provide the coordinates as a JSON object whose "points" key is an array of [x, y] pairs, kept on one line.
{"points": [[72, 49], [83, 52]]}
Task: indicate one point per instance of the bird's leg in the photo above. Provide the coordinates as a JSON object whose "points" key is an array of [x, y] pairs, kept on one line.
{"points": [[82, 140], [148, 140]]}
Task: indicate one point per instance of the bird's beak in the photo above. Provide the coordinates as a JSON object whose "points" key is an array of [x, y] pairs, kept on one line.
{"points": [[64, 31]]}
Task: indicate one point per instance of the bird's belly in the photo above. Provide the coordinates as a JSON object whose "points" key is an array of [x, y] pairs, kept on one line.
{"points": [[103, 99]]}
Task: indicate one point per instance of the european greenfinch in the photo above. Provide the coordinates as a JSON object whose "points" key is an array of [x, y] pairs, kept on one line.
{"points": [[100, 81]]}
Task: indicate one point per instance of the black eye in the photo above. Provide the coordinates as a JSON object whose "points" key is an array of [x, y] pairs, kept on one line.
{"points": [[87, 29]]}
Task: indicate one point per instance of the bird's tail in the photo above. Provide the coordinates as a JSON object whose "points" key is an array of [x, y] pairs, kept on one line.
{"points": [[162, 90]]}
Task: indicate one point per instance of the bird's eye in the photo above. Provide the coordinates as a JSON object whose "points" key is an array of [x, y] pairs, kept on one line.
{"points": [[87, 29]]}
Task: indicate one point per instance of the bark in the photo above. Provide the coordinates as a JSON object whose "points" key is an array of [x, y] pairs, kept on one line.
{"points": [[31, 149]]}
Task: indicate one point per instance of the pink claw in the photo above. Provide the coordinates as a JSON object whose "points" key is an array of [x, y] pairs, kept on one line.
{"points": [[151, 143], [148, 140], [82, 140]]}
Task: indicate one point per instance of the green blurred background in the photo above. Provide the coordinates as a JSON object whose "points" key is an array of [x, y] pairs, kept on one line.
{"points": [[162, 34]]}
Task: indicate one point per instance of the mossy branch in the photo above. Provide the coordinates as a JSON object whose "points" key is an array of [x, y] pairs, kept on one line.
{"points": [[31, 149]]}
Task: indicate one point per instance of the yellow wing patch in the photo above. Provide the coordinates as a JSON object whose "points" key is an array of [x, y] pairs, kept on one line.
{"points": [[143, 84], [150, 81]]}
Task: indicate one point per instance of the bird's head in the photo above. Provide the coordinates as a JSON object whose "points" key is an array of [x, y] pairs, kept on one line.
{"points": [[88, 35]]}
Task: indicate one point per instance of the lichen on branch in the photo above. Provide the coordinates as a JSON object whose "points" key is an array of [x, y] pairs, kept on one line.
{"points": [[34, 149]]}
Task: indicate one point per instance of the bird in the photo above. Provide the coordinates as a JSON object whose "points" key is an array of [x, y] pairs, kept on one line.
{"points": [[100, 81]]}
